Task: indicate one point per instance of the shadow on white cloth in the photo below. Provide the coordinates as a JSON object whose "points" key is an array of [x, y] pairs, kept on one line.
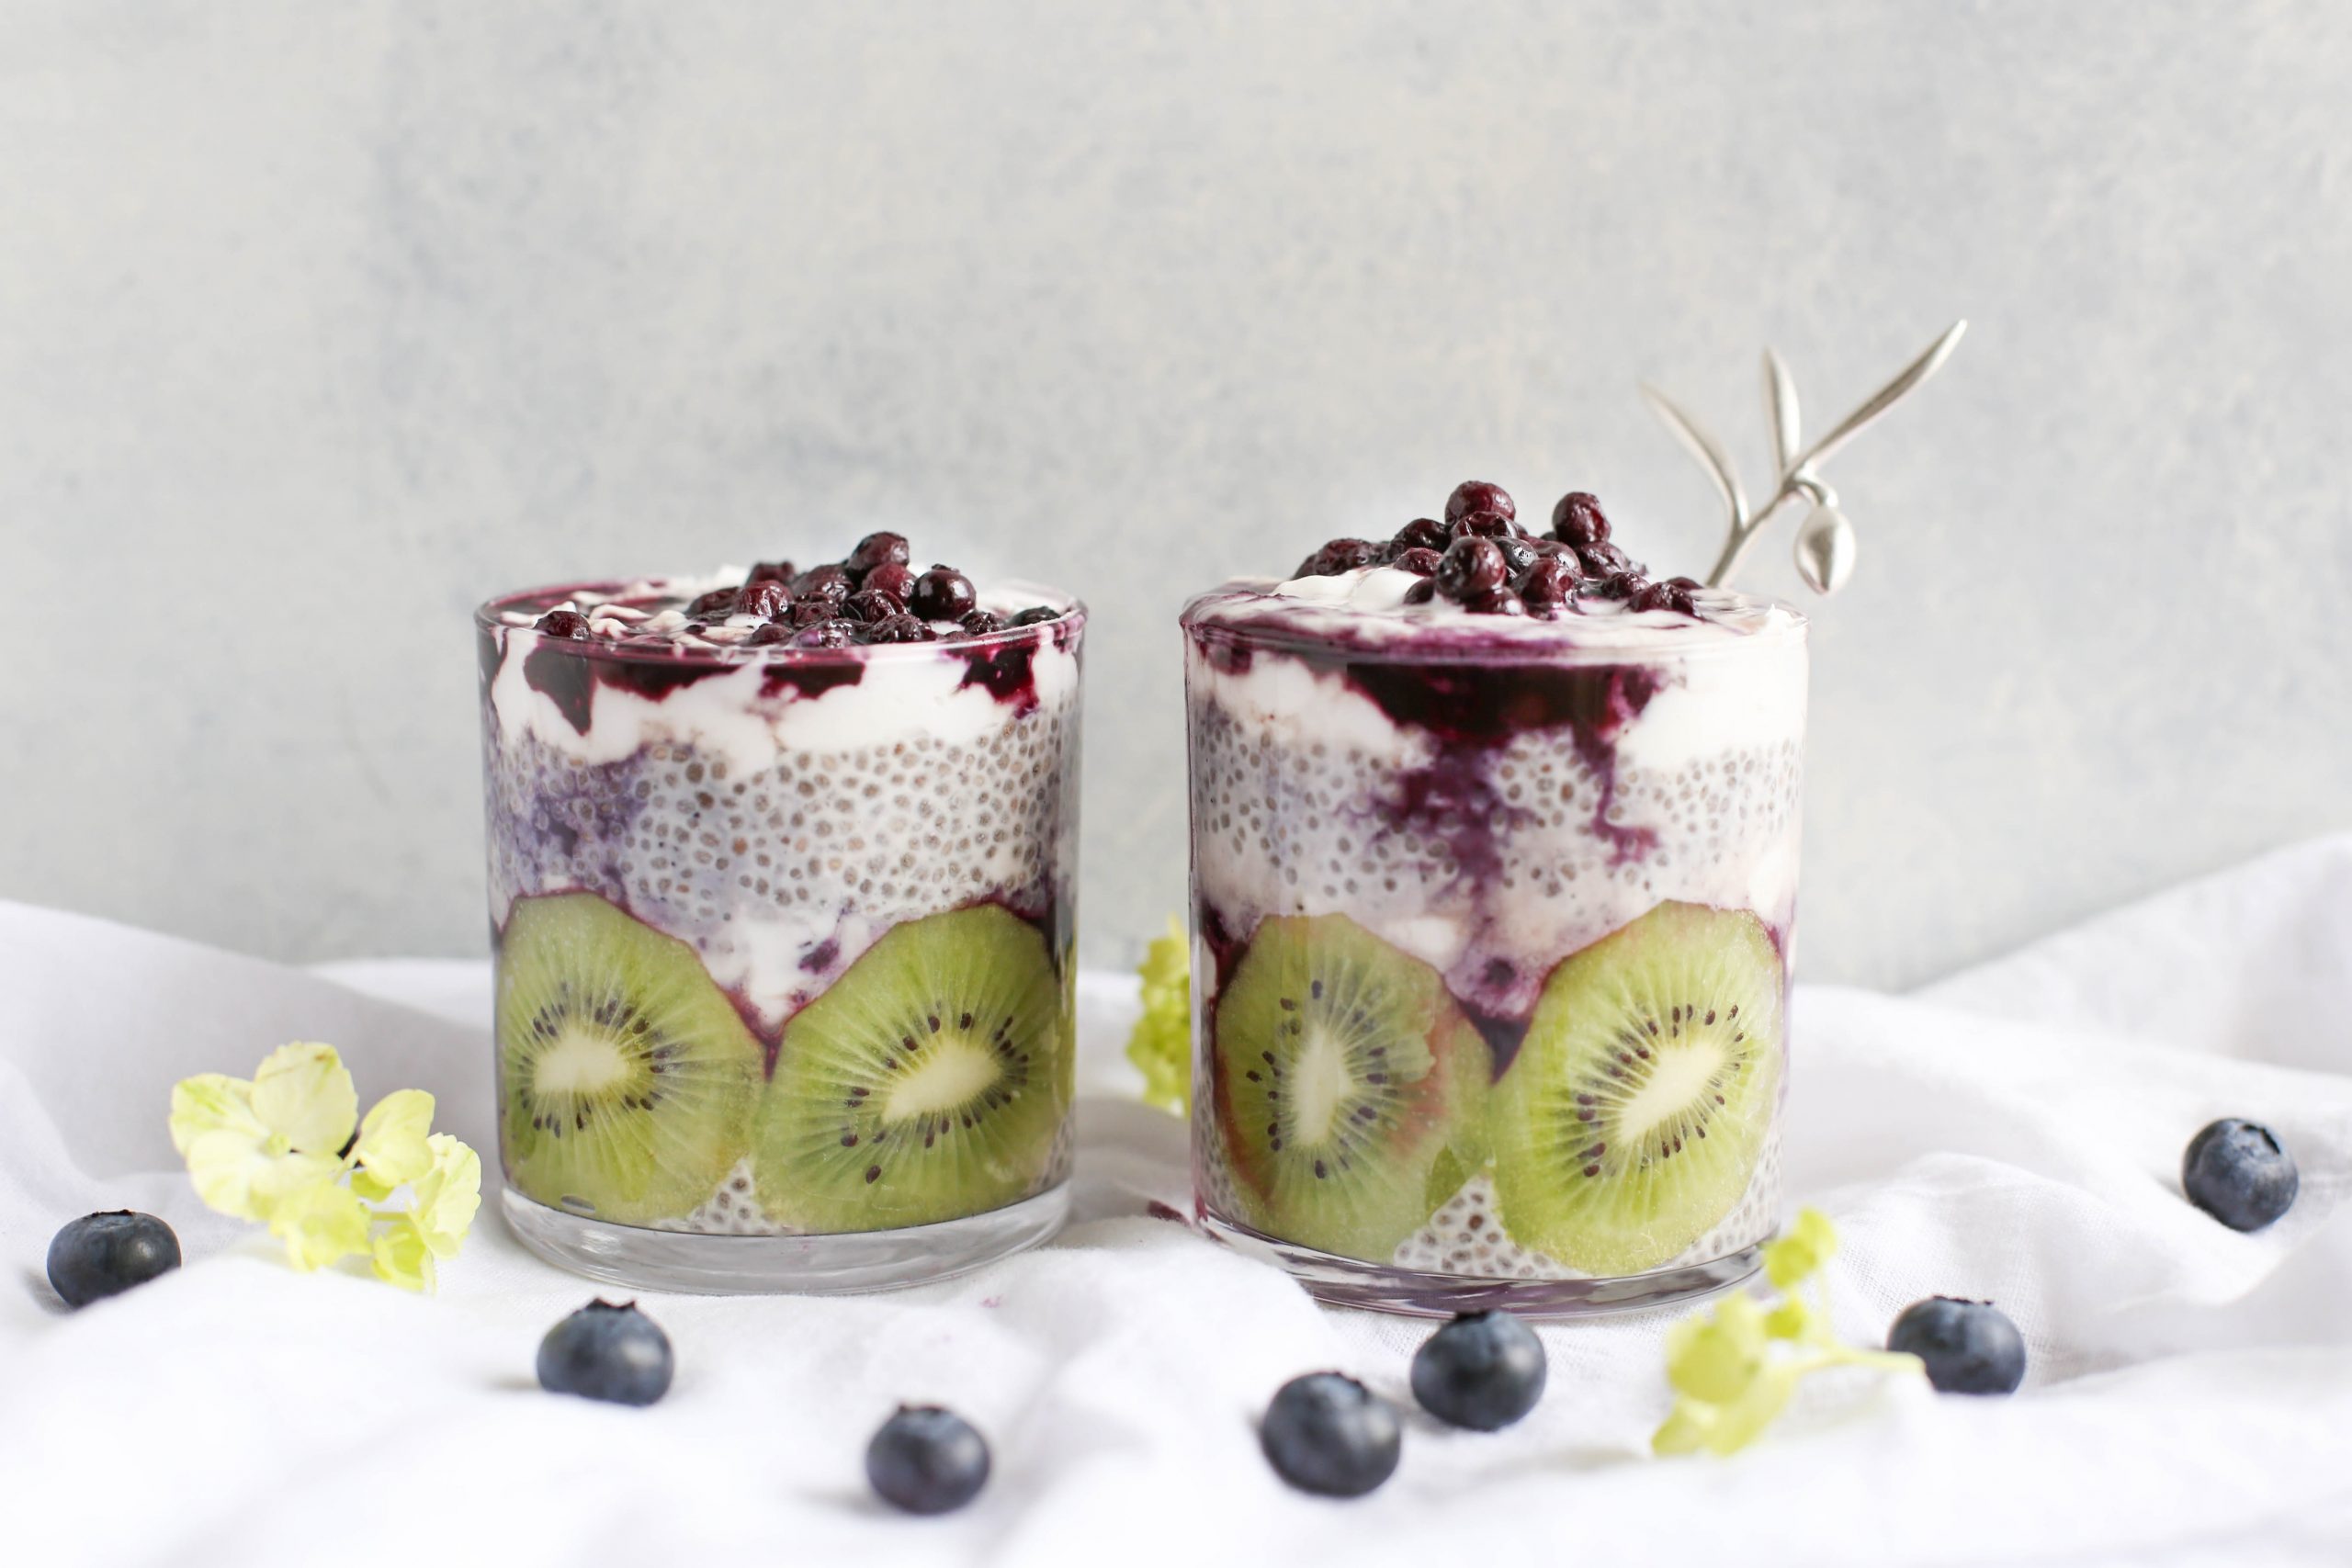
{"points": [[2012, 1132]]}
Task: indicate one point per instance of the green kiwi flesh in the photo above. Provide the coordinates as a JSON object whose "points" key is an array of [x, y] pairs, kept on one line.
{"points": [[627, 1078], [1633, 1117], [1346, 1079], [928, 1083]]}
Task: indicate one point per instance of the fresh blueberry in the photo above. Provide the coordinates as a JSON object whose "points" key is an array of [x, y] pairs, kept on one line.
{"points": [[1476, 495], [980, 623], [1969, 1346], [1037, 615], [927, 1460], [1550, 582], [835, 633], [764, 597], [1496, 601], [1482, 1370], [1421, 562], [1420, 533], [872, 606], [1576, 519], [875, 549], [568, 624], [826, 581], [894, 578], [942, 593], [104, 1255], [1469, 566], [1485, 525], [716, 604], [1330, 1434], [1338, 555], [773, 571], [2239, 1173], [1518, 556], [603, 1351]]}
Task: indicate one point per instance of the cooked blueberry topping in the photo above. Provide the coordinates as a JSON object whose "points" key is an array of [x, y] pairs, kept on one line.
{"points": [[770, 634], [1339, 556], [1422, 592], [1548, 583], [980, 623], [877, 549], [1577, 520], [1472, 496], [942, 593], [828, 582], [773, 571], [1484, 526], [716, 604], [766, 597], [1495, 602], [1037, 615], [895, 578], [1518, 555], [1423, 534], [569, 623], [1616, 585], [1470, 566], [898, 627], [826, 634], [871, 605], [1419, 561]]}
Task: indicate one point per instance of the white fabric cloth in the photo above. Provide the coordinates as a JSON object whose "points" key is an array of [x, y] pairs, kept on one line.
{"points": [[2013, 1133]]}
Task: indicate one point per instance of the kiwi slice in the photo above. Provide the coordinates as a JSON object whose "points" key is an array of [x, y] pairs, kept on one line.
{"points": [[927, 1083], [1347, 1079], [1631, 1119], [627, 1078]]}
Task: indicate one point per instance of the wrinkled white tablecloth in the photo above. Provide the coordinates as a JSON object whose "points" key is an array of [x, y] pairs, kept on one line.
{"points": [[2013, 1133]]}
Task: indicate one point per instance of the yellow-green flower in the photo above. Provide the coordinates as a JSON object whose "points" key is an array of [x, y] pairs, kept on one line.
{"points": [[1161, 1043], [321, 1225], [248, 1144], [277, 1148]]}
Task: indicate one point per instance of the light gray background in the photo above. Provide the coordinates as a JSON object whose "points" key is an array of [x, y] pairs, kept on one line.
{"points": [[318, 323]]}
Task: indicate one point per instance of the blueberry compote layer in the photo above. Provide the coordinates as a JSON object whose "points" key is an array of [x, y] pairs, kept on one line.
{"points": [[1580, 818], [711, 805]]}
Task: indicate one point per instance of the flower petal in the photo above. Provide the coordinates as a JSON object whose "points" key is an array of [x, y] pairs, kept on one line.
{"points": [[321, 1223], [447, 1196], [213, 1102], [304, 1094], [402, 1258], [391, 1140]]}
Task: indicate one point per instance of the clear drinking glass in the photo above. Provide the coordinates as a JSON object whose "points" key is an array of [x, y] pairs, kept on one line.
{"points": [[785, 948], [1491, 947]]}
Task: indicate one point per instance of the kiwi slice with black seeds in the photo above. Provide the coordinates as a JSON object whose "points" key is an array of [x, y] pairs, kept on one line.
{"points": [[1633, 1117], [627, 1078], [928, 1083], [1346, 1079]]}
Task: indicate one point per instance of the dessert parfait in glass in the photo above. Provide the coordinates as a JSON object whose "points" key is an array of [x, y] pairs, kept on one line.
{"points": [[782, 886], [1494, 856]]}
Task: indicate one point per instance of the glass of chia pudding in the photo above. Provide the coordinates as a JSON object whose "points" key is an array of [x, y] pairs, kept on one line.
{"points": [[1494, 847], [782, 886]]}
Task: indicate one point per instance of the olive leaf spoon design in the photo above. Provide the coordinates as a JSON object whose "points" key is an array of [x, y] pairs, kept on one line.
{"points": [[1824, 541]]}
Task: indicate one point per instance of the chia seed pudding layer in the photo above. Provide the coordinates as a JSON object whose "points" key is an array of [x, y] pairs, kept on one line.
{"points": [[779, 811], [1490, 798]]}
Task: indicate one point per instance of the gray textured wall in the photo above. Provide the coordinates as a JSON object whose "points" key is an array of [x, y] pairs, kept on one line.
{"points": [[317, 322]]}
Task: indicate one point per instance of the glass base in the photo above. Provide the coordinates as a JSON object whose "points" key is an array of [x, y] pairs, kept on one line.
{"points": [[1346, 1281], [762, 1265]]}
